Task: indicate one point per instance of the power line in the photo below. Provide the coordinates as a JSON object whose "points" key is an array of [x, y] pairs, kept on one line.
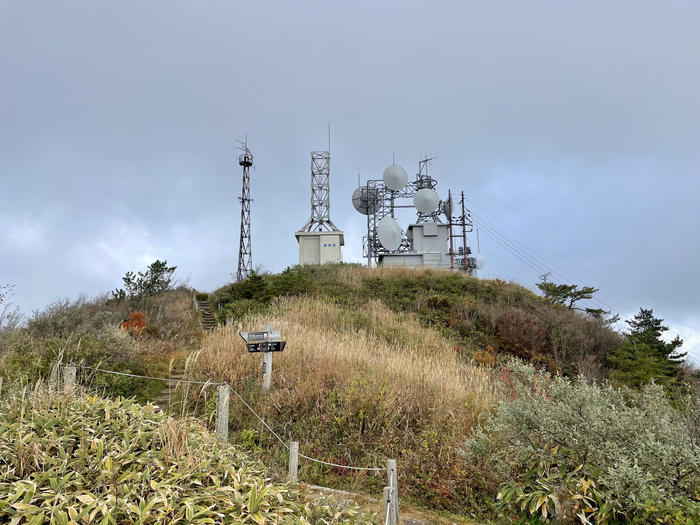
{"points": [[565, 259], [532, 261], [520, 252]]}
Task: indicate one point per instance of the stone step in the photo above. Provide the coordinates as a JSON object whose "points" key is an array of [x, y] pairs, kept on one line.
{"points": [[207, 317]]}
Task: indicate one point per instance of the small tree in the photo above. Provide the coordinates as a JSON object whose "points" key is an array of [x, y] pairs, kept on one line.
{"points": [[568, 295], [645, 356], [9, 316], [157, 278]]}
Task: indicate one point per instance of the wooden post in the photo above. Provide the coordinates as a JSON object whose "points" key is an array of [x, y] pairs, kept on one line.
{"points": [[222, 394], [388, 504], [0, 385], [53, 375], [69, 373], [267, 365], [394, 484], [267, 371], [294, 461]]}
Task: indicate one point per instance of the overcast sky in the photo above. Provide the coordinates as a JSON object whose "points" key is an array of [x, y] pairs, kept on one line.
{"points": [[572, 127]]}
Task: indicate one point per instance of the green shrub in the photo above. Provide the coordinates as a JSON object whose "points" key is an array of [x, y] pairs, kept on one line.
{"points": [[576, 450], [27, 358], [74, 318], [85, 459]]}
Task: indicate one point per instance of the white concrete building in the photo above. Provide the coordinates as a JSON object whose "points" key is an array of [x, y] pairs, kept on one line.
{"points": [[428, 242], [320, 247]]}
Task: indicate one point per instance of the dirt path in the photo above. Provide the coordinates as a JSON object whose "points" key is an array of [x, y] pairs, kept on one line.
{"points": [[408, 515]]}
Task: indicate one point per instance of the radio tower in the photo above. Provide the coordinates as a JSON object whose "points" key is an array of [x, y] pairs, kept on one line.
{"points": [[245, 257], [321, 191], [319, 239]]}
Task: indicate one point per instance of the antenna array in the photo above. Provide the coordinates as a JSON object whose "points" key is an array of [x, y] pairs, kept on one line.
{"points": [[386, 243]]}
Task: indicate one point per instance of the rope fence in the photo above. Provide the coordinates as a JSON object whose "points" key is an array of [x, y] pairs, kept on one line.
{"points": [[240, 398], [164, 379], [390, 492], [371, 469]]}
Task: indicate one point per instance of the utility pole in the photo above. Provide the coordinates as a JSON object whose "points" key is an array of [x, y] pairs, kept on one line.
{"points": [[464, 233]]}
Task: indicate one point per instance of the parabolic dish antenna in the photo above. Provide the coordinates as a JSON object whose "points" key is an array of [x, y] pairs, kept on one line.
{"points": [[365, 202], [426, 200], [447, 208], [389, 233], [395, 177], [479, 262]]}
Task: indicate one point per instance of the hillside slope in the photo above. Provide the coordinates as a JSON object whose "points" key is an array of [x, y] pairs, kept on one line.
{"points": [[389, 363], [477, 315], [413, 365], [355, 387]]}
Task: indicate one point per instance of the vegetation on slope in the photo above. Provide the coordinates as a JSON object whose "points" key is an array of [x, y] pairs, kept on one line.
{"points": [[96, 333], [487, 319], [355, 386], [68, 458], [405, 364], [410, 364], [576, 451]]}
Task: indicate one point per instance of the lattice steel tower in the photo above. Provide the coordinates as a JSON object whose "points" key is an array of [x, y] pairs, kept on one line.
{"points": [[320, 194], [319, 240], [245, 256]]}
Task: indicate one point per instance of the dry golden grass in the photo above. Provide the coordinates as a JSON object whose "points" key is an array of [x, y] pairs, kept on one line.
{"points": [[355, 275], [325, 342], [355, 386]]}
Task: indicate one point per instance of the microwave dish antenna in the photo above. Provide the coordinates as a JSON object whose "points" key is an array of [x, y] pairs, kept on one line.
{"points": [[447, 208], [365, 200], [426, 200], [395, 177], [389, 234]]}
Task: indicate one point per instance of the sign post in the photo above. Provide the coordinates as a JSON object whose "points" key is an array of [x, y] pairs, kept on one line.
{"points": [[267, 365], [266, 342]]}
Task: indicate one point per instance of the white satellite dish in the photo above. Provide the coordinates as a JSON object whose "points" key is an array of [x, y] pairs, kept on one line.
{"points": [[365, 202], [395, 177], [389, 233], [479, 262], [426, 200]]}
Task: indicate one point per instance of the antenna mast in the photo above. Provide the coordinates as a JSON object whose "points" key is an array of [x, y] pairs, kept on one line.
{"points": [[320, 219], [245, 256], [449, 221], [319, 240]]}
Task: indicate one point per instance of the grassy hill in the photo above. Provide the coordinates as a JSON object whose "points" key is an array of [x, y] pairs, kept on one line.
{"points": [[410, 364], [496, 403], [483, 319]]}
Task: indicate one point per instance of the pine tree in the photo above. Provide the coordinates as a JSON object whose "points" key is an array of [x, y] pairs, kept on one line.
{"points": [[645, 356], [157, 278]]}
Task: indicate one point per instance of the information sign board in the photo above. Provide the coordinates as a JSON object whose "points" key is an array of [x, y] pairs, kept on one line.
{"points": [[269, 341]]}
